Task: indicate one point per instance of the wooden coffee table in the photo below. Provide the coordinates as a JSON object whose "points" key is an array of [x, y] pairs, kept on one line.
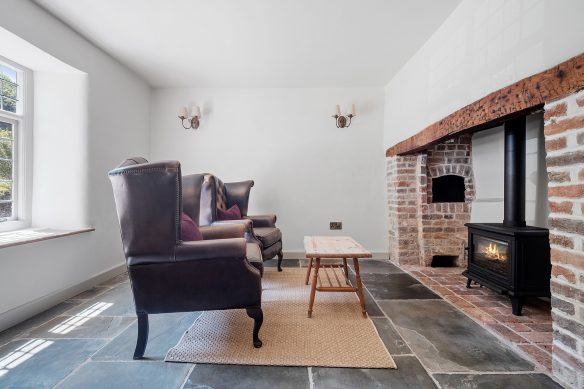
{"points": [[333, 247]]}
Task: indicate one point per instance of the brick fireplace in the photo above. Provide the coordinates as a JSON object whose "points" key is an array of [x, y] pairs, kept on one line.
{"points": [[419, 228]]}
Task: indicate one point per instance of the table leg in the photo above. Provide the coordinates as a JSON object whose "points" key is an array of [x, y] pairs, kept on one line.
{"points": [[346, 271], [313, 289], [308, 270], [359, 286]]}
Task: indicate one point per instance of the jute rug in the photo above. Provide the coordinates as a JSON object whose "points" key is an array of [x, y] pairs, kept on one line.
{"points": [[337, 335]]}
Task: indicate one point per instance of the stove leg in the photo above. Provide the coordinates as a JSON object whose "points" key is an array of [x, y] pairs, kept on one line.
{"points": [[517, 304], [468, 283]]}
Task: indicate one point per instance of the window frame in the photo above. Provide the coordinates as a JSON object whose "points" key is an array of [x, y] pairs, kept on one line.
{"points": [[22, 121]]}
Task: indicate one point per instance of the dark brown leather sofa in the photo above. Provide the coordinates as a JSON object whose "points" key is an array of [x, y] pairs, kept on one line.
{"points": [[167, 274]]}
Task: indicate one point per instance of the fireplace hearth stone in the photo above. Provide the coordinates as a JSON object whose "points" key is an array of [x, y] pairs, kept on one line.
{"points": [[509, 260]]}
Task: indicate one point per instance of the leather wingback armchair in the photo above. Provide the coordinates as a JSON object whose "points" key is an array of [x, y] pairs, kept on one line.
{"points": [[167, 274], [206, 193]]}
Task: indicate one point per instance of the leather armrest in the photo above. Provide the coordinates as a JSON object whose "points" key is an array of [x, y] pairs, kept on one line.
{"points": [[263, 220], [222, 231], [237, 193], [209, 249], [246, 224]]}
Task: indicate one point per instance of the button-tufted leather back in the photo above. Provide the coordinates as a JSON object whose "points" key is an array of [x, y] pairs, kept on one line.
{"points": [[148, 203]]}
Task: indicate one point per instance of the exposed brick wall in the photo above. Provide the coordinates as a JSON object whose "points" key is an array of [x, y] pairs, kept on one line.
{"points": [[564, 135], [418, 228], [444, 232], [404, 174]]}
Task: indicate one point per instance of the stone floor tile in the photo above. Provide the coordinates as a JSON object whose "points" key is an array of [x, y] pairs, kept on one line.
{"points": [[127, 375], [396, 287], [409, 374], [120, 278], [41, 363], [165, 330], [247, 377], [82, 327], [118, 301], [376, 266], [446, 340], [26, 326], [390, 337], [495, 381], [90, 293]]}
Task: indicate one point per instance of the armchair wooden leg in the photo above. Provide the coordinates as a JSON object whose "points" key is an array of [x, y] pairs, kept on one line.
{"points": [[258, 316], [142, 336], [280, 257]]}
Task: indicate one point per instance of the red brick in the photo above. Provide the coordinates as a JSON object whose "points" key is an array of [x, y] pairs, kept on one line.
{"points": [[566, 159], [581, 175], [561, 240], [568, 258], [564, 125], [572, 191], [567, 291], [562, 272], [574, 226], [570, 359], [580, 102], [555, 144], [563, 207], [580, 138], [538, 354], [559, 176], [556, 110]]}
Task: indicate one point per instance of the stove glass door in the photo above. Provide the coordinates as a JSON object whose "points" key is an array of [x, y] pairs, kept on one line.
{"points": [[491, 254]]}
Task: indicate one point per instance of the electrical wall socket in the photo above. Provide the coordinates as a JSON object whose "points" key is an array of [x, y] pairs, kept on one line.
{"points": [[336, 225]]}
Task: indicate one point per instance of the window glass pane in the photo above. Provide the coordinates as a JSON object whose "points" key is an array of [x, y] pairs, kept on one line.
{"points": [[9, 73], [6, 170], [5, 130], [8, 88], [5, 149], [5, 190], [5, 210], [8, 104]]}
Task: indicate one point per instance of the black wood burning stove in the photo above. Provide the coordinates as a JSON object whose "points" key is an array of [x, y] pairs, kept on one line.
{"points": [[510, 257]]}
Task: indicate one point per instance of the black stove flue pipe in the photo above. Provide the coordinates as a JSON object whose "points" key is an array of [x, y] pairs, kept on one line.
{"points": [[514, 203]]}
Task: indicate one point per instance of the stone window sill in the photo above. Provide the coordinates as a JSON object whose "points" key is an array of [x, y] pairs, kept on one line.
{"points": [[31, 235]]}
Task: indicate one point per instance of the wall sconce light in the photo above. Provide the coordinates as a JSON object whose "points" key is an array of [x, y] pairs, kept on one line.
{"points": [[192, 120], [343, 121]]}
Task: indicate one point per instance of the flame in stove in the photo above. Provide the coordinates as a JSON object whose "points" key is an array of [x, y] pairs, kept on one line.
{"points": [[492, 251]]}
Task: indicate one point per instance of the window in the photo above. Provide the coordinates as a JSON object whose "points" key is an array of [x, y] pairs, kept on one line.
{"points": [[8, 88], [13, 122], [7, 130]]}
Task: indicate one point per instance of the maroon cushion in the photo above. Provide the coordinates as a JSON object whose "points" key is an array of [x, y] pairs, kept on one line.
{"points": [[189, 229], [232, 213]]}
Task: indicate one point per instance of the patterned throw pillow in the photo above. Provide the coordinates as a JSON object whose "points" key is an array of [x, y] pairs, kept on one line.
{"points": [[221, 199]]}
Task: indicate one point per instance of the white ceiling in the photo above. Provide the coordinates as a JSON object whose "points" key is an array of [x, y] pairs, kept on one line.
{"points": [[257, 43]]}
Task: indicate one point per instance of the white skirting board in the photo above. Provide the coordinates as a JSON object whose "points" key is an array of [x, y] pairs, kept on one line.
{"points": [[34, 307], [301, 255]]}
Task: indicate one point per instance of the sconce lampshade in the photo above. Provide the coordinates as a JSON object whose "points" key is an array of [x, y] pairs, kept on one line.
{"points": [[183, 113], [196, 111]]}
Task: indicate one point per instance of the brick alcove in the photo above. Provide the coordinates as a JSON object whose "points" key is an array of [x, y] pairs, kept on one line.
{"points": [[414, 221]]}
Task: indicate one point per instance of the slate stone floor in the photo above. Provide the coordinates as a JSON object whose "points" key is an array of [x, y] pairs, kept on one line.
{"points": [[531, 332], [88, 341]]}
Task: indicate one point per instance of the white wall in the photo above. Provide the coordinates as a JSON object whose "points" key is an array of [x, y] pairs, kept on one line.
{"points": [[483, 46], [305, 169], [113, 125], [488, 155]]}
